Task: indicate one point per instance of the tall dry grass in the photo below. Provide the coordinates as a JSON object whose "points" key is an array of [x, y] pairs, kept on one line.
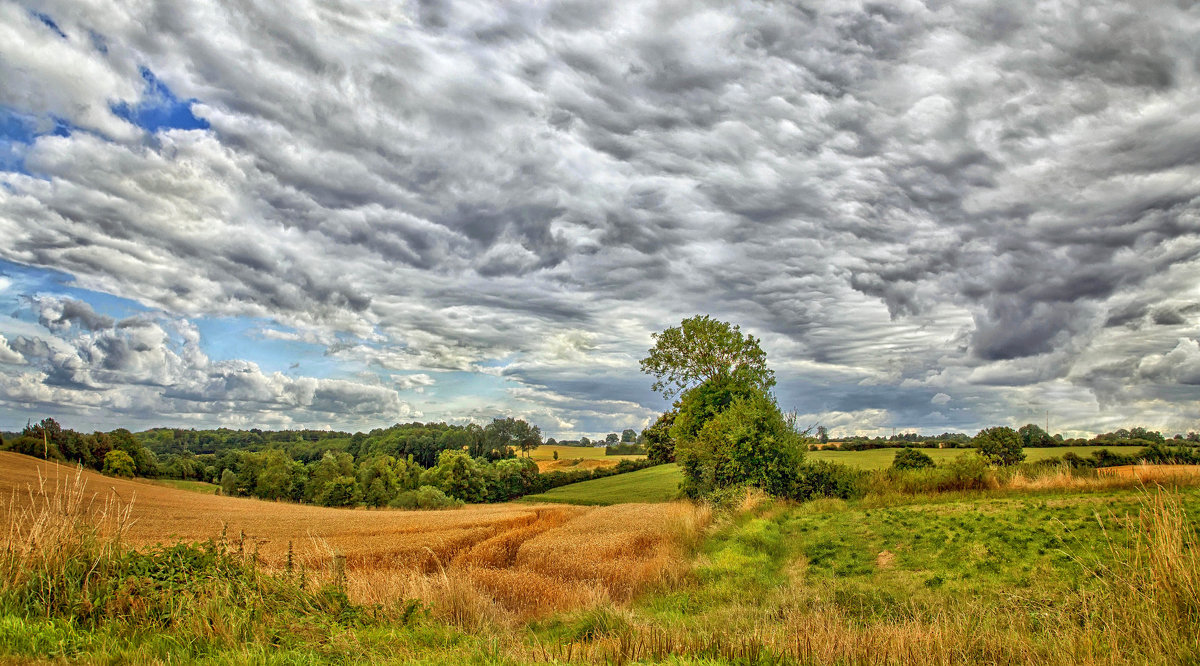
{"points": [[504, 563]]}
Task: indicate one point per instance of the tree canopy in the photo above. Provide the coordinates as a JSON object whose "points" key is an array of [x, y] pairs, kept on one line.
{"points": [[703, 349]]}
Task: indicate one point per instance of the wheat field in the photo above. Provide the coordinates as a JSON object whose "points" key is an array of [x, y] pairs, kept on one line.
{"points": [[479, 563]]}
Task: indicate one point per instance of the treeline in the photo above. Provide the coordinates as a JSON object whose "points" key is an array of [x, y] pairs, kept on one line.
{"points": [[381, 479], [414, 465], [1032, 436]]}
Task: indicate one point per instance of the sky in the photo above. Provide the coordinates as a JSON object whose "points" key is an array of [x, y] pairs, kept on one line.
{"points": [[936, 216]]}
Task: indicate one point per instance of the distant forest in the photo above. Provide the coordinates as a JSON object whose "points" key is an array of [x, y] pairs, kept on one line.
{"points": [[413, 465]]}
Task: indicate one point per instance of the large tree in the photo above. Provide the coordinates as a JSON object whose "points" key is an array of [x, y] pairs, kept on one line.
{"points": [[703, 349], [999, 446]]}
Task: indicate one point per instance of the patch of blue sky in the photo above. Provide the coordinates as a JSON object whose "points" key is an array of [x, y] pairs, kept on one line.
{"points": [[159, 108], [221, 338], [22, 282], [18, 131], [230, 338], [49, 23]]}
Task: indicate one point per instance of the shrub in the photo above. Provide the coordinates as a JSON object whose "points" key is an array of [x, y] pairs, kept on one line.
{"points": [[118, 463], [819, 478], [425, 497], [967, 472], [910, 458], [750, 442]]}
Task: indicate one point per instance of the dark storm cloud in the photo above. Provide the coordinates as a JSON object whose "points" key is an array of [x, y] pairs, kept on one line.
{"points": [[925, 197]]}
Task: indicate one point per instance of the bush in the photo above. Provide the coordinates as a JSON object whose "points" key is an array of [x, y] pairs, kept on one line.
{"points": [[425, 497], [910, 458], [967, 472], [750, 442], [819, 478], [118, 463]]}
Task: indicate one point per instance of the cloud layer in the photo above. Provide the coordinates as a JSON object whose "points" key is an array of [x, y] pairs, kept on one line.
{"points": [[940, 216]]}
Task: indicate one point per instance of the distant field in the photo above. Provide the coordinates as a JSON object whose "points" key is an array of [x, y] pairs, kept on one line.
{"points": [[881, 458], [656, 484], [571, 452]]}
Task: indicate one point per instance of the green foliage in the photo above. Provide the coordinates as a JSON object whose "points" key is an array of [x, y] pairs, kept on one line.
{"points": [[817, 478], [229, 483], [119, 463], [276, 478], [382, 478], [999, 446], [513, 478], [1032, 435], [458, 475], [321, 473], [750, 442], [503, 434], [699, 405], [702, 349], [656, 438], [425, 497], [909, 458], [340, 491]]}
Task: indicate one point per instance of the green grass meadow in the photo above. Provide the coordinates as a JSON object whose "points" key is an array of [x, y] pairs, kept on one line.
{"points": [[659, 484], [193, 486], [655, 484]]}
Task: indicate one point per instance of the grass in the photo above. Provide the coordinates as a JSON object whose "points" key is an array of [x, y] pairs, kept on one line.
{"points": [[1065, 579], [1057, 575], [194, 486], [655, 484], [660, 484], [882, 458]]}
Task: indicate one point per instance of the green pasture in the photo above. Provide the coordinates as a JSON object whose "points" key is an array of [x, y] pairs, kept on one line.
{"points": [[881, 458], [654, 484]]}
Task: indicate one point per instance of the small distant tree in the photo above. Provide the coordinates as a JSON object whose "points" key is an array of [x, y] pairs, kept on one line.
{"points": [[910, 458], [628, 436], [551, 442], [611, 438], [660, 447], [556, 454], [822, 434], [502, 434], [1033, 435], [584, 441], [229, 483], [999, 446], [119, 463]]}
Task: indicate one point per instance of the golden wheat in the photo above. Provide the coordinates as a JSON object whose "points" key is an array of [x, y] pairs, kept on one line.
{"points": [[478, 563]]}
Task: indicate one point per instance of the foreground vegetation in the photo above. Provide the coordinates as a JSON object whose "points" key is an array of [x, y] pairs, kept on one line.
{"points": [[1052, 573]]}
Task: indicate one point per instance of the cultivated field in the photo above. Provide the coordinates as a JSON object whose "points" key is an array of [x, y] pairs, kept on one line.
{"points": [[501, 560], [575, 457]]}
